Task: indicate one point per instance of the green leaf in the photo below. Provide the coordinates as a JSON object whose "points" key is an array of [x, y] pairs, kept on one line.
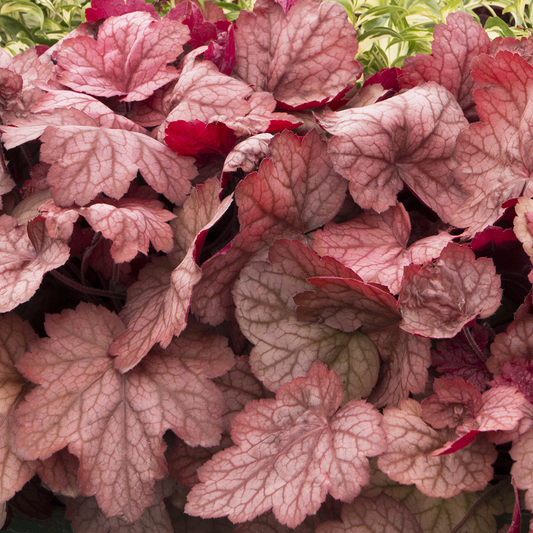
{"points": [[23, 7], [495, 23], [381, 31], [12, 27]]}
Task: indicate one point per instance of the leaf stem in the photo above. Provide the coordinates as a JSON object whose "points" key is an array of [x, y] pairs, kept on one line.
{"points": [[82, 288], [484, 497], [468, 334]]}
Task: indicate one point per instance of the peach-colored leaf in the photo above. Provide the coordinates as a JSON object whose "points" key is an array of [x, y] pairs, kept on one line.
{"points": [[129, 58], [60, 473], [26, 253], [522, 469], [286, 348], [439, 299], [15, 338], [522, 224], [380, 515], [157, 305], [290, 453], [302, 57], [454, 46], [114, 423], [132, 224], [87, 160], [408, 458], [408, 138], [375, 245], [295, 191]]}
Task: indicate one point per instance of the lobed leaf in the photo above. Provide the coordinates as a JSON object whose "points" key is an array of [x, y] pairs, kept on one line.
{"points": [[290, 453]]}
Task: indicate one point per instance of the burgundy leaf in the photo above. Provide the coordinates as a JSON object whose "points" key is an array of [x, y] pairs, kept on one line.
{"points": [[221, 51], [196, 137], [128, 60], [201, 31], [114, 430], [454, 46], [409, 137], [293, 192], [114, 8], [290, 453], [303, 58], [438, 300]]}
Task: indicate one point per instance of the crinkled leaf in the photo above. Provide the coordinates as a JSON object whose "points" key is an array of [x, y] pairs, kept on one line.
{"points": [[439, 299], [516, 342], [290, 453], [129, 58], [375, 245], [293, 192], [26, 253], [380, 515], [409, 137], [114, 8], [107, 422], [408, 458], [303, 58], [286, 348], [454, 46], [201, 31], [87, 160], [157, 305], [523, 224], [15, 338], [495, 155], [248, 153], [518, 373]]}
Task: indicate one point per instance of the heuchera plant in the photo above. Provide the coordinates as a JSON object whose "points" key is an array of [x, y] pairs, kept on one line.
{"points": [[229, 278]]}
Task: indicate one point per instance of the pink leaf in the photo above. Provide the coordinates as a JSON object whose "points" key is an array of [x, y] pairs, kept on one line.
{"points": [[522, 469], [87, 160], [26, 254], [302, 57], [60, 473], [454, 46], [495, 167], [128, 60], [115, 431], [409, 138], [379, 515], [114, 8], [293, 192], [438, 300], [15, 338], [375, 245], [157, 304], [290, 453], [409, 459]]}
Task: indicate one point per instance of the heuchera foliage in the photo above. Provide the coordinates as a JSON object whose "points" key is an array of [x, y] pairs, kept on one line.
{"points": [[228, 279]]}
